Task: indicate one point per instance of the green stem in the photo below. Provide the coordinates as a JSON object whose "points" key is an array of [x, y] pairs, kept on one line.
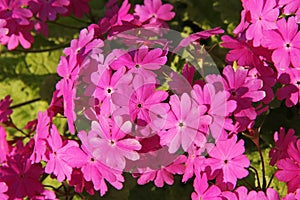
{"points": [[271, 179]]}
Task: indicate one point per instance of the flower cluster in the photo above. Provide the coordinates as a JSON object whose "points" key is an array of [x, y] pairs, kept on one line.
{"points": [[19, 18], [127, 111]]}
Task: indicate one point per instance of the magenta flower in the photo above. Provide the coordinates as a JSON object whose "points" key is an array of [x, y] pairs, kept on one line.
{"points": [[282, 141], [228, 156], [78, 8], [141, 60], [154, 11], [292, 195], [291, 89], [243, 52], [5, 111], [21, 177], [113, 141], [204, 191], [3, 189], [40, 138], [285, 41], [244, 90], [263, 17], [57, 162], [290, 7], [48, 10], [4, 148], [18, 23], [289, 168], [242, 193], [181, 126], [164, 174], [93, 170]]}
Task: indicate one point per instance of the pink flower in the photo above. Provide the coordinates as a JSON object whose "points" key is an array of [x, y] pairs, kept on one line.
{"points": [[263, 15], [292, 196], [282, 141], [204, 191], [21, 177], [164, 174], [5, 111], [290, 7], [18, 23], [57, 162], [4, 148], [154, 11], [243, 52], [242, 194], [289, 168], [181, 125], [3, 189], [228, 156], [291, 89], [141, 60], [244, 90], [112, 140], [40, 138], [285, 41], [93, 170]]}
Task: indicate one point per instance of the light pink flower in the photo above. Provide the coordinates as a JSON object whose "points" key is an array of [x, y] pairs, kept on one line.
{"points": [[182, 123], [3, 189], [112, 140]]}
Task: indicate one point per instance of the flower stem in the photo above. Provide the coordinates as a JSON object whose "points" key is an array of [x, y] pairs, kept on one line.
{"points": [[264, 184], [25, 103], [257, 176]]}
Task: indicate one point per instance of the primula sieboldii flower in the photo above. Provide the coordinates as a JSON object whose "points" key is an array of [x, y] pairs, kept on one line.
{"points": [[244, 90], [57, 157], [21, 177], [285, 41], [204, 191], [4, 148], [40, 137], [154, 11], [242, 194], [282, 141], [290, 7], [181, 127], [164, 174], [290, 78], [48, 10], [289, 168], [5, 111], [93, 169], [3, 189], [263, 14], [112, 140], [141, 60], [228, 157]]}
